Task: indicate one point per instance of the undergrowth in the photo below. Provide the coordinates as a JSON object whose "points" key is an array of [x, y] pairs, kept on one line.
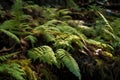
{"points": [[36, 40]]}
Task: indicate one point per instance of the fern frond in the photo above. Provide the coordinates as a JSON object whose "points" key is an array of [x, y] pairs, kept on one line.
{"points": [[8, 25], [25, 65], [44, 54], [63, 12], [72, 4], [17, 9], [110, 33], [107, 23], [65, 41], [59, 26], [52, 22], [13, 69], [49, 13], [69, 62], [100, 44], [67, 29], [32, 39], [30, 73], [5, 57], [48, 37], [61, 41], [11, 35]]}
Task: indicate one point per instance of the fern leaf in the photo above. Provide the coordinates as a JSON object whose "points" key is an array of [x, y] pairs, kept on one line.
{"points": [[65, 41], [69, 62], [64, 11], [110, 33], [13, 69], [32, 39], [44, 54], [107, 23], [72, 4], [11, 35], [5, 57], [100, 44], [62, 41], [48, 37], [30, 73], [8, 24], [25, 65], [17, 9]]}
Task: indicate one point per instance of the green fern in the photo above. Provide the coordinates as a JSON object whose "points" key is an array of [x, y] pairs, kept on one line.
{"points": [[17, 9], [53, 13], [116, 26], [100, 45], [69, 62], [107, 23], [48, 37], [8, 25], [11, 35], [7, 56], [44, 54], [110, 34], [62, 34], [26, 67], [62, 42], [62, 27], [12, 69], [62, 14], [32, 39], [72, 4], [65, 41]]}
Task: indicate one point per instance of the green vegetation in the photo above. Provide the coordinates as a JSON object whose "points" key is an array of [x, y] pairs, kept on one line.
{"points": [[47, 43]]}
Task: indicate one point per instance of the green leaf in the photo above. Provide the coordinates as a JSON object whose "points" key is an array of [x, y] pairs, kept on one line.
{"points": [[13, 69], [32, 39], [6, 56], [100, 44], [69, 62], [44, 54], [8, 25], [11, 35]]}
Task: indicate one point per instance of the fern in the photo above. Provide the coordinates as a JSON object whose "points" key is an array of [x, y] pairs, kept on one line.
{"points": [[13, 69], [61, 42], [7, 56], [63, 14], [30, 73], [107, 23], [53, 13], [69, 62], [100, 45], [116, 26], [62, 27], [17, 9], [26, 67], [72, 4], [44, 54], [110, 33], [59, 26], [61, 34], [48, 37], [65, 41], [11, 35], [8, 25], [32, 39]]}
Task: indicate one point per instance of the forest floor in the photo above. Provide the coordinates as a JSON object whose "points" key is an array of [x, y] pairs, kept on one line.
{"points": [[56, 43]]}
